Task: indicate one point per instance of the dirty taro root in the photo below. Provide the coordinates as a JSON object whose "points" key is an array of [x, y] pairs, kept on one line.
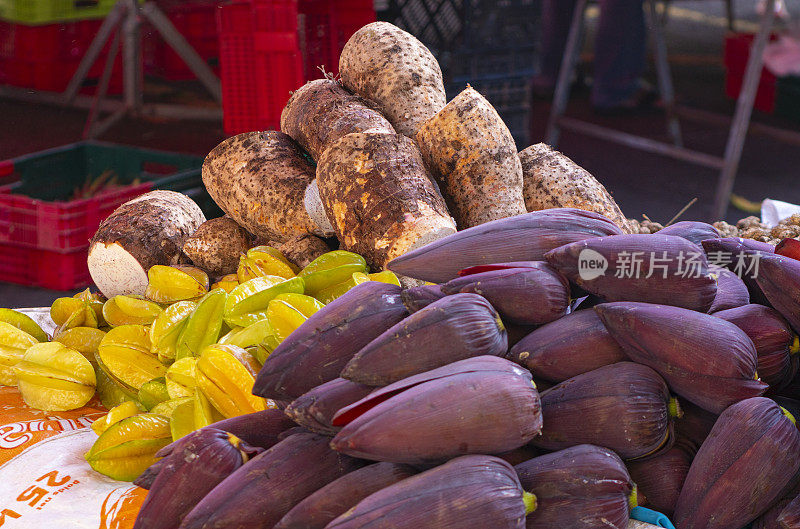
{"points": [[390, 67], [380, 197], [264, 182], [552, 180], [148, 230], [473, 156], [322, 111], [216, 245]]}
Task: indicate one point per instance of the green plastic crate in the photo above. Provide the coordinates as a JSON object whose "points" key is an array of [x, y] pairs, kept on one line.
{"points": [[787, 99], [50, 11]]}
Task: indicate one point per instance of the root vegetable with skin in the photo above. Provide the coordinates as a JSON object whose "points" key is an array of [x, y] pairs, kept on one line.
{"points": [[148, 230], [380, 197], [264, 181], [216, 245], [320, 112], [303, 249], [552, 180], [390, 67], [474, 158]]}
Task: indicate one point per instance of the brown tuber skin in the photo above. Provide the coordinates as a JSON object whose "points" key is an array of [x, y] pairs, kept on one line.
{"points": [[552, 180], [390, 67], [320, 112], [148, 230], [473, 156], [260, 180], [216, 245], [303, 249], [379, 196]]}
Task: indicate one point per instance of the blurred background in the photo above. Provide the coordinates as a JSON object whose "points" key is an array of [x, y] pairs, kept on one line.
{"points": [[97, 103]]}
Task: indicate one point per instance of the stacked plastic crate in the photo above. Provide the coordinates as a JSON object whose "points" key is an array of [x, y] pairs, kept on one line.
{"points": [[42, 43], [270, 47]]}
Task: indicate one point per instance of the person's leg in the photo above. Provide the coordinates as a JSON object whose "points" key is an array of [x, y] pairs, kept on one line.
{"points": [[620, 50], [556, 19]]}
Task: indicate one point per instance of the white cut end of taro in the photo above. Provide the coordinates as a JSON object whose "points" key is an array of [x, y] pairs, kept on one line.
{"points": [[316, 211], [430, 236], [115, 271]]}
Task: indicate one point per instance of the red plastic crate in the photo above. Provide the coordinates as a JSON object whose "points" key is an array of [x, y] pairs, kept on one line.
{"points": [[59, 226], [270, 47], [736, 55], [46, 57], [43, 268], [196, 21]]}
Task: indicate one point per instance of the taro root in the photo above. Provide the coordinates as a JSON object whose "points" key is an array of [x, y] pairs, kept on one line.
{"points": [[390, 67], [469, 491], [661, 478], [525, 237], [731, 290], [321, 111], [625, 407], [748, 459], [148, 230], [260, 493], [204, 459], [337, 497], [651, 268], [315, 410], [582, 487], [416, 298], [567, 347], [523, 296], [454, 328], [384, 205], [704, 359], [693, 231], [318, 351], [776, 344], [476, 406], [265, 182], [216, 244], [472, 154], [551, 180], [779, 280]]}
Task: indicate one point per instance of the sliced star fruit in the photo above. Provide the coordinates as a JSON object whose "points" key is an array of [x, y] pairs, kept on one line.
{"points": [[168, 407], [226, 378], [114, 415], [180, 378], [125, 355], [167, 327], [128, 447], [331, 269], [109, 392], [85, 340], [203, 326], [130, 310], [226, 283], [248, 303], [287, 312], [24, 323], [13, 344], [153, 392], [264, 261], [181, 422], [67, 313], [54, 377], [168, 284]]}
